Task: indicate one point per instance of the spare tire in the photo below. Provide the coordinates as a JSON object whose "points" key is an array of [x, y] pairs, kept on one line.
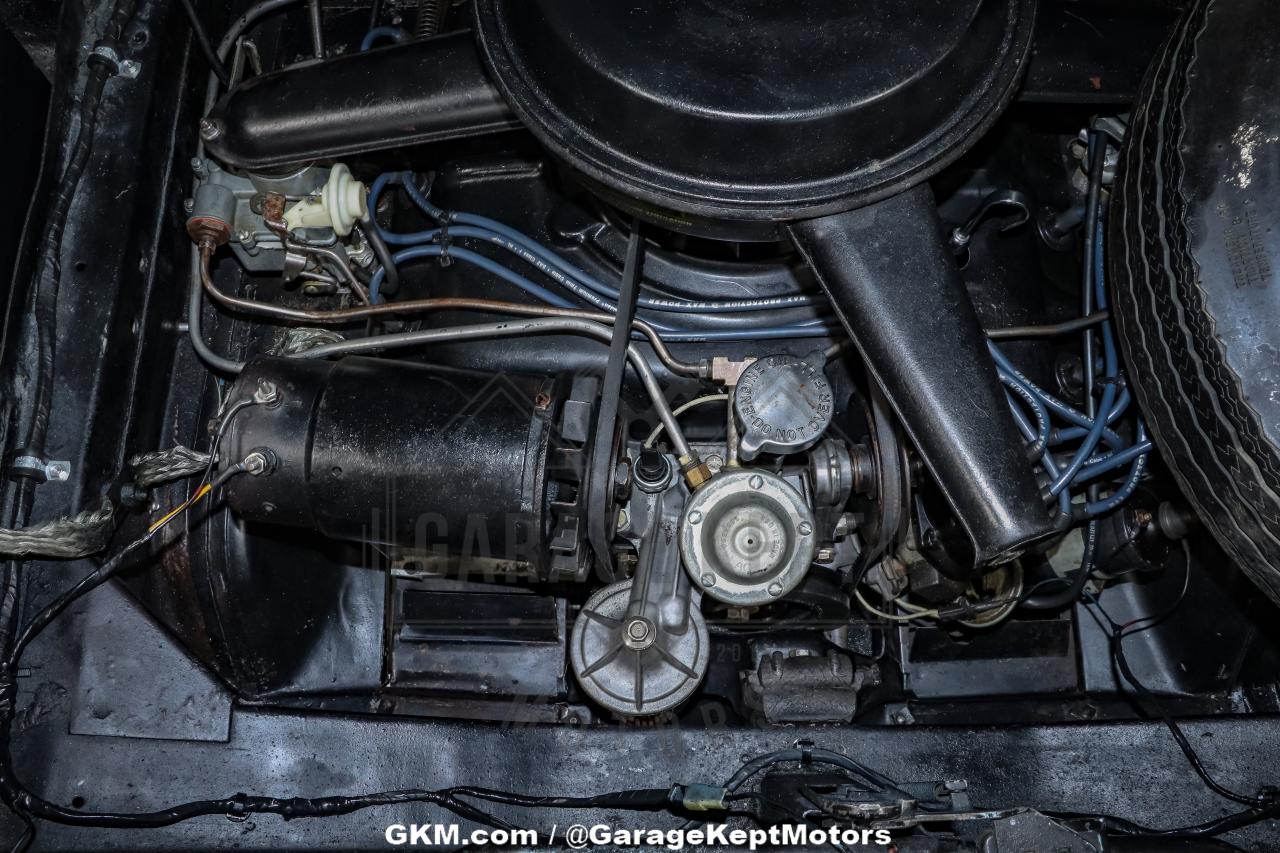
{"points": [[1194, 239]]}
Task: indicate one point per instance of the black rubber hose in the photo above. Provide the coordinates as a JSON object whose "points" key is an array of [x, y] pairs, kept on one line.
{"points": [[391, 276], [205, 44], [1067, 596]]}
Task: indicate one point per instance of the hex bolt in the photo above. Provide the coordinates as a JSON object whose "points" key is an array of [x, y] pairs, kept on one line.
{"points": [[639, 634], [209, 129], [267, 393]]}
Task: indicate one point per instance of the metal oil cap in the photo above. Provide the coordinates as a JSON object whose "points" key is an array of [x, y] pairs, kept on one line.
{"points": [[783, 405]]}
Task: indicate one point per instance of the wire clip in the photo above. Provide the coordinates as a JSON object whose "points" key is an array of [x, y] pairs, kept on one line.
{"points": [[445, 242], [806, 751], [32, 467], [105, 52]]}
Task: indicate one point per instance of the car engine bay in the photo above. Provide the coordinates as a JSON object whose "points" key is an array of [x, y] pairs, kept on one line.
{"points": [[856, 415]]}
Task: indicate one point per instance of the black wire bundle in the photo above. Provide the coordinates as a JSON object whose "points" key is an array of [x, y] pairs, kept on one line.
{"points": [[205, 43]]}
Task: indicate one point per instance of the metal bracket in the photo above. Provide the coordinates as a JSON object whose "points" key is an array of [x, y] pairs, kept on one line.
{"points": [[1014, 206]]}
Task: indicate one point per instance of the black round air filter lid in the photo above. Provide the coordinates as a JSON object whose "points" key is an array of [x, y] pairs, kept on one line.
{"points": [[756, 109]]}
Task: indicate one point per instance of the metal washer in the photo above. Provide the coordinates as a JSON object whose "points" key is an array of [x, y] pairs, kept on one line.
{"points": [[747, 537]]}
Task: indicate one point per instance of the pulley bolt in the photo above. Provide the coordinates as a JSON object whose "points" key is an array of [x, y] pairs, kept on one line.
{"points": [[639, 634]]}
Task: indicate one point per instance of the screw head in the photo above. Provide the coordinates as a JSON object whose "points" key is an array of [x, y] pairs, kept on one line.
{"points": [[708, 579], [775, 589], [209, 129], [695, 517], [756, 481], [805, 528]]}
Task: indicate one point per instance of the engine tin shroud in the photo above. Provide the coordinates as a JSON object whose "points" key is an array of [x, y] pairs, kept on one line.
{"points": [[691, 111]]}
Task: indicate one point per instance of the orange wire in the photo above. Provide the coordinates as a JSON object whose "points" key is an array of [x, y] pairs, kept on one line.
{"points": [[171, 514]]}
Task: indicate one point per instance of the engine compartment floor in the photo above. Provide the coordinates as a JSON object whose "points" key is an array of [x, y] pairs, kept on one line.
{"points": [[1133, 770]]}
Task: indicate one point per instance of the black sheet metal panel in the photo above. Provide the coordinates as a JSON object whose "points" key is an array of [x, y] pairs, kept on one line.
{"points": [[424, 91], [114, 693], [1094, 52], [901, 298], [476, 641], [755, 111], [1022, 659]]}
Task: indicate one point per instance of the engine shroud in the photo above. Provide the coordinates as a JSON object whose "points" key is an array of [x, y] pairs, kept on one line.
{"points": [[689, 111]]}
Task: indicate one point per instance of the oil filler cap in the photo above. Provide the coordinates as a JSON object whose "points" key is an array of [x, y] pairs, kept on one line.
{"points": [[782, 404]]}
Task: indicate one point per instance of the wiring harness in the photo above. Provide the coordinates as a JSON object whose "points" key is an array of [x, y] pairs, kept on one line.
{"points": [[759, 318]]}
